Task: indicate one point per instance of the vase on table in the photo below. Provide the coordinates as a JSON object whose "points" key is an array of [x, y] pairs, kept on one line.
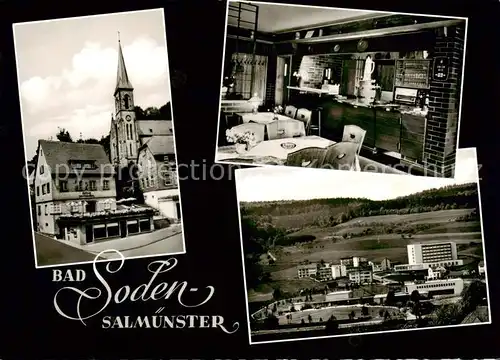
{"points": [[241, 148]]}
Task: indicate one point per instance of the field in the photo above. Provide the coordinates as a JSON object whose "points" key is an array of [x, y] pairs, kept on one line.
{"points": [[340, 312], [331, 243]]}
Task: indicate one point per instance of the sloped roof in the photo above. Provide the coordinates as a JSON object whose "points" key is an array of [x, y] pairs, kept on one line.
{"points": [[155, 127], [479, 315], [160, 145], [58, 154], [122, 80]]}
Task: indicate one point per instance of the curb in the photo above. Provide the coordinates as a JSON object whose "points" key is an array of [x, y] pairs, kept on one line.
{"points": [[138, 247]]}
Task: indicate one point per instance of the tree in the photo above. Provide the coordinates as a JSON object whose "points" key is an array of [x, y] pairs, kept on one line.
{"points": [[447, 314], [166, 111], [277, 295], [381, 313], [63, 135], [472, 296], [332, 325], [271, 322], [309, 318], [302, 322], [390, 298], [387, 316], [364, 311]]}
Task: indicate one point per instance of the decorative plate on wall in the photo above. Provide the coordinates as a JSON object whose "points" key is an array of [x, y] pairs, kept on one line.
{"points": [[336, 48], [362, 45]]}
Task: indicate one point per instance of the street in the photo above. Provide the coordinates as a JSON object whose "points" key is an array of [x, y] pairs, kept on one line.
{"points": [[172, 244]]}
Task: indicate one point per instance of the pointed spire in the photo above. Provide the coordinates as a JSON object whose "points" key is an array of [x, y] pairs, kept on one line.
{"points": [[122, 81]]}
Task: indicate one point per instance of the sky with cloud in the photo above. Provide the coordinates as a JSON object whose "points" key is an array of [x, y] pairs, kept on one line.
{"points": [[288, 183], [67, 71]]}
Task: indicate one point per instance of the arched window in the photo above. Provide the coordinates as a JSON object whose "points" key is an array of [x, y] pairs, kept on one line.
{"points": [[131, 153], [126, 126], [126, 101]]}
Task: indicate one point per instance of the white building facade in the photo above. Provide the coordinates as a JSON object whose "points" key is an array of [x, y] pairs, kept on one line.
{"points": [[437, 287], [431, 252]]}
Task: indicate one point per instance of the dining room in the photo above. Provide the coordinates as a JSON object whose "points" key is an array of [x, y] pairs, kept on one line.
{"points": [[337, 88]]}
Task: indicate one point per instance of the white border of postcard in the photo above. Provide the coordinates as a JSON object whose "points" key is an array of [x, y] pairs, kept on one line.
{"points": [[174, 142], [258, 170], [216, 160]]}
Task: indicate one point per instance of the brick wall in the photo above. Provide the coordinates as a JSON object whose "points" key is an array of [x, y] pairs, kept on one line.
{"points": [[444, 104], [311, 69]]}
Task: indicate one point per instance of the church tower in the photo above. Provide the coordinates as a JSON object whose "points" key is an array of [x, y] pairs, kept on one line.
{"points": [[124, 137]]}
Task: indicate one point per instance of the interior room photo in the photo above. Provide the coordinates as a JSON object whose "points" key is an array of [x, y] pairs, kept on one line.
{"points": [[341, 88]]}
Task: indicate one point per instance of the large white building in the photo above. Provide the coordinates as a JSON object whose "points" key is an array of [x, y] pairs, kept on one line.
{"points": [[307, 270], [436, 287], [338, 271], [425, 266], [360, 275], [431, 252]]}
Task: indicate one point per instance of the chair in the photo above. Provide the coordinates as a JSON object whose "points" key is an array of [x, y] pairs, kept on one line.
{"points": [[291, 111], [281, 129], [311, 157], [341, 156], [232, 120], [259, 130], [354, 134]]}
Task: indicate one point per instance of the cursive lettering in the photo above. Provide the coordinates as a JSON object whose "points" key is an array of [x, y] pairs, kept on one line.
{"points": [[103, 296]]}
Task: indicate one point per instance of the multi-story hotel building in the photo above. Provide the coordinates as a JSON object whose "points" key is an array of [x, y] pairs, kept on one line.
{"points": [[431, 253]]}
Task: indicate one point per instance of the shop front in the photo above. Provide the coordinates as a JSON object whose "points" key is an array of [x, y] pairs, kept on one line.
{"points": [[89, 228]]}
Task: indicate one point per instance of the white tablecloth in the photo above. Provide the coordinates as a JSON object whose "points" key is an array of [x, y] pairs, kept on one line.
{"points": [[273, 148], [262, 117]]}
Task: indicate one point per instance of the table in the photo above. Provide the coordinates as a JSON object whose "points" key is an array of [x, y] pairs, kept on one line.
{"points": [[271, 151], [262, 117]]}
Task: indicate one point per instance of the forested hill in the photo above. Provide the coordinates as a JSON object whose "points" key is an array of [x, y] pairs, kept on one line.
{"points": [[454, 196]]}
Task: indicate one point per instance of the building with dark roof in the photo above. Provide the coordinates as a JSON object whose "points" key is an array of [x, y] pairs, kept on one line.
{"points": [[158, 175], [75, 195]]}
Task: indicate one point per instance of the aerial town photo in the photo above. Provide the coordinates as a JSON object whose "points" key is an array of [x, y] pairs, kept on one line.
{"points": [[99, 138], [339, 253]]}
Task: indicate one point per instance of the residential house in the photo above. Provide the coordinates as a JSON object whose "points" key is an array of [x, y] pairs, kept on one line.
{"points": [[385, 264], [307, 270], [360, 275], [75, 195], [339, 271], [158, 175]]}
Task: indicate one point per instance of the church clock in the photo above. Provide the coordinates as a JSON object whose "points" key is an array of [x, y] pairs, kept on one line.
{"points": [[128, 117]]}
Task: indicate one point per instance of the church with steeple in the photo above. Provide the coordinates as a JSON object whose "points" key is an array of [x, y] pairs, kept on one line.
{"points": [[147, 143]]}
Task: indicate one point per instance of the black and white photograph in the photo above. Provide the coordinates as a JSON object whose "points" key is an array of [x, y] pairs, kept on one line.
{"points": [[99, 137], [338, 253], [334, 88]]}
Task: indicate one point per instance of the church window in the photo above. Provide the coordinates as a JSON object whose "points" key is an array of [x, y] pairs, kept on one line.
{"points": [[128, 131], [126, 100], [131, 149]]}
